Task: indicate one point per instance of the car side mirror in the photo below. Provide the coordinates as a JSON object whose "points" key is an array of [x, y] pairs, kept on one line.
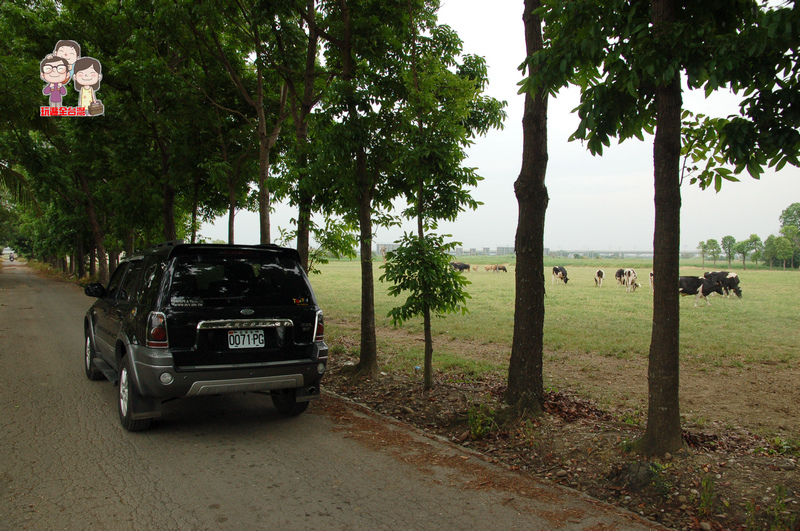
{"points": [[95, 290]]}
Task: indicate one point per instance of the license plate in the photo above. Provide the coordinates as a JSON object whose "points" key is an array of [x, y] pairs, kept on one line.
{"points": [[246, 339]]}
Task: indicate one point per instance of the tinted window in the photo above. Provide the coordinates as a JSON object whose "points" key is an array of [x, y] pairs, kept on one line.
{"points": [[151, 280], [238, 278], [116, 280], [131, 281]]}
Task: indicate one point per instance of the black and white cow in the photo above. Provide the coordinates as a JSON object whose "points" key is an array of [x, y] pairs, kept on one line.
{"points": [[728, 281], [652, 285], [699, 286], [598, 278], [620, 276], [629, 278], [560, 273]]}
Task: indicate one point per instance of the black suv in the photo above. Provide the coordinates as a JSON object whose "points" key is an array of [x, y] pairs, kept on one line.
{"points": [[183, 320]]}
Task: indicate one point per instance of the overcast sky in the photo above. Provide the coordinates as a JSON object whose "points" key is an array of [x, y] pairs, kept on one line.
{"points": [[596, 203]]}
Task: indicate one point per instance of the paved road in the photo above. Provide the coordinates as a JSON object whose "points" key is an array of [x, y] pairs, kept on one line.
{"points": [[228, 462]]}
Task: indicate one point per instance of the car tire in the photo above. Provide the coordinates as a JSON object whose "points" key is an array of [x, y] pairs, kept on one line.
{"points": [[285, 401], [129, 399], [91, 370]]}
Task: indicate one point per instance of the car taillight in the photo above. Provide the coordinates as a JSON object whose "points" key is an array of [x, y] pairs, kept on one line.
{"points": [[320, 328], [157, 330]]}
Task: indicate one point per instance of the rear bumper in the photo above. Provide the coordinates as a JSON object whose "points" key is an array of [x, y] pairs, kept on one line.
{"points": [[156, 376]]}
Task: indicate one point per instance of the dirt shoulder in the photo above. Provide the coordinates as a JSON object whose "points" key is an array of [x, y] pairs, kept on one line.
{"points": [[738, 469]]}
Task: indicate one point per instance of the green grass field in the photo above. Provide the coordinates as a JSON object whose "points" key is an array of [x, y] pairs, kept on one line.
{"points": [[762, 327]]}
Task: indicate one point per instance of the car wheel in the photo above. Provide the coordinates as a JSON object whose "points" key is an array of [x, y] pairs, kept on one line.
{"points": [[129, 399], [91, 370], [285, 401]]}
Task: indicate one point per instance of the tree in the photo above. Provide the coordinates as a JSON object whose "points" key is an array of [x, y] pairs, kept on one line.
{"points": [[8, 220], [792, 235], [360, 128], [306, 81], [444, 110], [760, 62], [791, 215], [770, 252], [714, 250], [421, 268], [751, 245], [784, 250], [627, 58], [525, 371], [702, 247], [729, 247], [229, 32], [121, 176]]}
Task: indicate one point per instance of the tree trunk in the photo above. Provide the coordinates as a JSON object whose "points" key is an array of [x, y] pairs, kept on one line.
{"points": [[195, 201], [263, 173], [263, 144], [168, 210], [130, 242], [426, 311], [80, 258], [231, 209], [93, 260], [265, 147], [97, 232], [525, 382], [663, 431], [168, 189], [306, 199], [368, 361], [303, 209], [113, 262], [427, 384]]}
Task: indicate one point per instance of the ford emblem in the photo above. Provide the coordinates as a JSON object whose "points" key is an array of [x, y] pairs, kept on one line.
{"points": [[247, 311]]}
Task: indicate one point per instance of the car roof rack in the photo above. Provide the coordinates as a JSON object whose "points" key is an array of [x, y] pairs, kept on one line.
{"points": [[170, 243]]}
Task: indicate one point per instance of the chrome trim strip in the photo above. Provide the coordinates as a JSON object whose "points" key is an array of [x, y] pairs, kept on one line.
{"points": [[245, 385], [257, 365], [244, 323]]}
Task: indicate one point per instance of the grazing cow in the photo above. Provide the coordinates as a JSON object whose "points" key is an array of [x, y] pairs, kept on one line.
{"points": [[474, 268], [502, 268], [699, 286], [490, 268], [459, 266], [620, 276], [560, 273], [728, 281], [629, 277], [598, 278]]}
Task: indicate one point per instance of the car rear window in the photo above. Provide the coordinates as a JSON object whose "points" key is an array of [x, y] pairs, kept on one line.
{"points": [[238, 278]]}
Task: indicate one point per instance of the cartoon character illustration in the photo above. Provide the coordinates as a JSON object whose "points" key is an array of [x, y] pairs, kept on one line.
{"points": [[54, 71], [88, 74], [69, 50]]}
